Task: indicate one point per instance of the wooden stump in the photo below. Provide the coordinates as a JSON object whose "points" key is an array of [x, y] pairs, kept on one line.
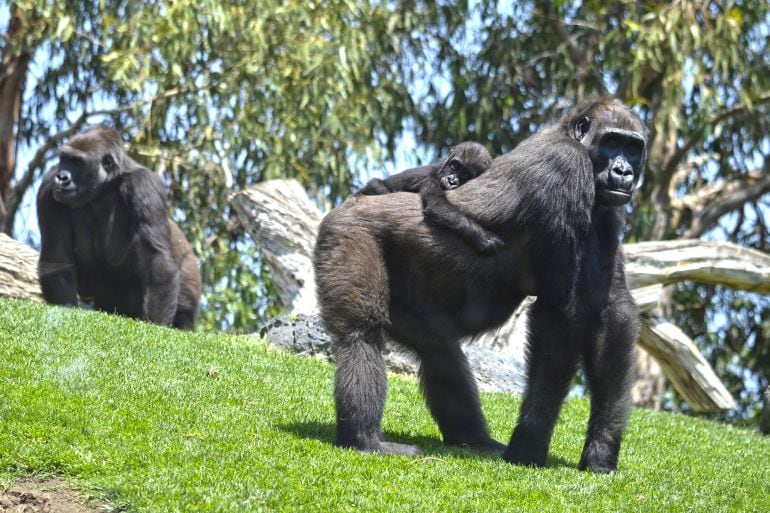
{"points": [[18, 270]]}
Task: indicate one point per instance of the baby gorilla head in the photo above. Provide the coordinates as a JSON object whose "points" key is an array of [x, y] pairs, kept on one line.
{"points": [[465, 162]]}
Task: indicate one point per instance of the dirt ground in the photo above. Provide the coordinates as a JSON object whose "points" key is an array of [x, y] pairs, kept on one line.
{"points": [[50, 496]]}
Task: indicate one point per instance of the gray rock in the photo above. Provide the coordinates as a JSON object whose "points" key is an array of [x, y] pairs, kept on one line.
{"points": [[495, 371]]}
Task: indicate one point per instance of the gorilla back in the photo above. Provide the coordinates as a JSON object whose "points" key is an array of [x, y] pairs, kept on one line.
{"points": [[106, 236], [557, 202]]}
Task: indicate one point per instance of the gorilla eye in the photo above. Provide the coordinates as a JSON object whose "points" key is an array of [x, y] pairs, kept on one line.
{"points": [[108, 162], [581, 128]]}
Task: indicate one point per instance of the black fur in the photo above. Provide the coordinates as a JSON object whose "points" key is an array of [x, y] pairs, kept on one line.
{"points": [[106, 236], [557, 200], [465, 162]]}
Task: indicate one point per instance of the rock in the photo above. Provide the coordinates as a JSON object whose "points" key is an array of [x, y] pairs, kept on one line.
{"points": [[495, 371]]}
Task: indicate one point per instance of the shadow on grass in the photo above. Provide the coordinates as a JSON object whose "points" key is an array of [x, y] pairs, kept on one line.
{"points": [[325, 432]]}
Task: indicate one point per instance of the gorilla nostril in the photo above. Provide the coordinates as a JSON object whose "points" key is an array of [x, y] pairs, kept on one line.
{"points": [[63, 177], [622, 170]]}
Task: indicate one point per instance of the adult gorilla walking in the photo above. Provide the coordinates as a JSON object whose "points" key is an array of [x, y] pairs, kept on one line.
{"points": [[557, 201]]}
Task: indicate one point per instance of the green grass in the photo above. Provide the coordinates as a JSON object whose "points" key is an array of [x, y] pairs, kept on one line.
{"points": [[129, 412]]}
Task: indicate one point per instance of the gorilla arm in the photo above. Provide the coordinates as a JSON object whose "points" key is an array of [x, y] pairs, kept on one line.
{"points": [[56, 268], [411, 180], [144, 193]]}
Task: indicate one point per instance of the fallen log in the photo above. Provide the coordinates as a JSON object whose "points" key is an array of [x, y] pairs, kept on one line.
{"points": [[18, 270], [283, 221], [684, 366], [717, 263]]}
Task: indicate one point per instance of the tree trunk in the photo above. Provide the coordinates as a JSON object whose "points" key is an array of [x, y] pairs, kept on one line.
{"points": [[13, 73], [764, 420]]}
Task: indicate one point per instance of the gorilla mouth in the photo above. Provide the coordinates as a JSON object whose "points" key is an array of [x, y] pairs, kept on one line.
{"points": [[64, 193], [449, 182], [614, 197], [620, 193]]}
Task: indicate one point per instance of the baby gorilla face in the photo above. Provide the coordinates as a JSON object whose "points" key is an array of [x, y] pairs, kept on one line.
{"points": [[449, 182], [452, 174], [466, 161]]}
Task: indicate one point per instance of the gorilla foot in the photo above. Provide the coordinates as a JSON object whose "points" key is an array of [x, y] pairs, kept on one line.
{"points": [[525, 456], [386, 448], [599, 459], [490, 446]]}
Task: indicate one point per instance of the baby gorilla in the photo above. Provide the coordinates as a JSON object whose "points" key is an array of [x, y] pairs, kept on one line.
{"points": [[465, 162]]}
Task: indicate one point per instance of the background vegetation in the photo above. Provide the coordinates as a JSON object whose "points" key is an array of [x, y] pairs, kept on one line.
{"points": [[219, 95]]}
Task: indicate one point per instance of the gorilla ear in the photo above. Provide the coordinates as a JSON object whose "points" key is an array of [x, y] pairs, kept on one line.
{"points": [[581, 128], [108, 163]]}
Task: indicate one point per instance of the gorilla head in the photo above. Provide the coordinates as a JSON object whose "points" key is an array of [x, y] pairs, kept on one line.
{"points": [[465, 162], [616, 144], [87, 162]]}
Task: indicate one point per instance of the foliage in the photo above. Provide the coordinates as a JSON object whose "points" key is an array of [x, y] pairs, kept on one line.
{"points": [[153, 419]]}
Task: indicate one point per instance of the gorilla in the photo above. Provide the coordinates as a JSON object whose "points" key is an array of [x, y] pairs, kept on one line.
{"points": [[107, 239], [558, 203], [465, 162]]}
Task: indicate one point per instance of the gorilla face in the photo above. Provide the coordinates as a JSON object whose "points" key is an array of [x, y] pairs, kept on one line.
{"points": [[466, 161], [617, 148], [85, 165], [617, 166]]}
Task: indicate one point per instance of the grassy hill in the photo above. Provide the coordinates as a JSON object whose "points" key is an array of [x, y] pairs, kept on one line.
{"points": [[152, 419]]}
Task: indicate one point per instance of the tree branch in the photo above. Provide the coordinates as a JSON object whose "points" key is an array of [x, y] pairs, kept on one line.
{"points": [[711, 203]]}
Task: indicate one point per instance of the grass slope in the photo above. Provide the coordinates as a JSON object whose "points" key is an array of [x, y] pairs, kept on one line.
{"points": [[156, 420]]}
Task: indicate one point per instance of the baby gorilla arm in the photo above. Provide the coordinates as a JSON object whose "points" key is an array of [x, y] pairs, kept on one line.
{"points": [[439, 211], [411, 180]]}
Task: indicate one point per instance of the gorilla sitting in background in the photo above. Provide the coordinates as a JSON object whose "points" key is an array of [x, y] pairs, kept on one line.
{"points": [[107, 239]]}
